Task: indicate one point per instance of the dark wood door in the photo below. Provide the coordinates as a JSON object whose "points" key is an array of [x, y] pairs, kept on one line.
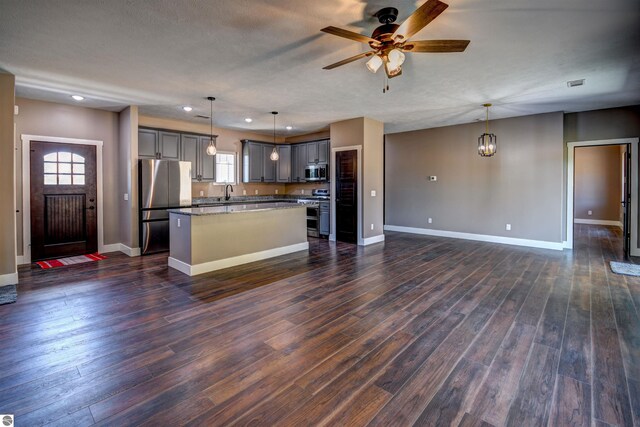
{"points": [[63, 200], [626, 203], [347, 196]]}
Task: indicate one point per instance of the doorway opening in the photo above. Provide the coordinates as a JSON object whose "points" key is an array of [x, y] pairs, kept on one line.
{"points": [[601, 203], [346, 194]]}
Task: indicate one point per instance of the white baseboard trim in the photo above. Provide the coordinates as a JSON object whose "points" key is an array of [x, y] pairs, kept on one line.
{"points": [[558, 246], [371, 240], [129, 251], [597, 222], [205, 267], [20, 260], [9, 279], [114, 247], [567, 245]]}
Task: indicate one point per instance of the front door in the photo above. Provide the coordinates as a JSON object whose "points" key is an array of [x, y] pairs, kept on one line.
{"points": [[63, 200], [347, 196]]}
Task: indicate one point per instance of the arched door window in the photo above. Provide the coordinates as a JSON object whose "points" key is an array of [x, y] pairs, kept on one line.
{"points": [[63, 168]]}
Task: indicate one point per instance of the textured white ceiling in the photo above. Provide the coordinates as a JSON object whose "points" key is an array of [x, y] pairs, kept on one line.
{"points": [[255, 57]]}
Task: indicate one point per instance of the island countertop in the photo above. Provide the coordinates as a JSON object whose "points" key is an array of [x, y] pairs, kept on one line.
{"points": [[236, 208]]}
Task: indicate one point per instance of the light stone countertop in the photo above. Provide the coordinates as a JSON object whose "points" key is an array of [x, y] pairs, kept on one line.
{"points": [[229, 209]]}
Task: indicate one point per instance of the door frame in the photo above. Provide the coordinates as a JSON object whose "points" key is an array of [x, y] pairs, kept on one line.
{"points": [[634, 249], [26, 188], [358, 149]]}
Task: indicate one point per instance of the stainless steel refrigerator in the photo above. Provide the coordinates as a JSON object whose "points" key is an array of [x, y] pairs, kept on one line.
{"points": [[162, 185]]}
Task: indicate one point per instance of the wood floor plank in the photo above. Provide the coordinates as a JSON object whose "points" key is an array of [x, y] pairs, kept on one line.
{"points": [[572, 403]]}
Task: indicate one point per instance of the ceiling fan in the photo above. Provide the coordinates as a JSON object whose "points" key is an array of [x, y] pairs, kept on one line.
{"points": [[389, 41]]}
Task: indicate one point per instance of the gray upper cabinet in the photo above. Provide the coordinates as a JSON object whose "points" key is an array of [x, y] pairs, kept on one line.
{"points": [[147, 144], [283, 165], [301, 162], [257, 165], [206, 163], [169, 148], [323, 151], [189, 147], [312, 152], [153, 144]]}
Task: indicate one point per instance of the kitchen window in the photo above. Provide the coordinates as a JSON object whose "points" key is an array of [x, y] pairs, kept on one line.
{"points": [[225, 168]]}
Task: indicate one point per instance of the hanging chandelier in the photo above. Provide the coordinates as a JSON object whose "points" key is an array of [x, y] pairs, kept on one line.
{"points": [[211, 148], [487, 142], [274, 153]]}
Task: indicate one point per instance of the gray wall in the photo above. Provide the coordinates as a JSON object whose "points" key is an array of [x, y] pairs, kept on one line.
{"points": [[597, 182], [128, 176], [7, 189], [51, 119], [520, 185]]}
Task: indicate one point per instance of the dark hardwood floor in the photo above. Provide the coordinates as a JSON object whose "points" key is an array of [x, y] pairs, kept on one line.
{"points": [[416, 331]]}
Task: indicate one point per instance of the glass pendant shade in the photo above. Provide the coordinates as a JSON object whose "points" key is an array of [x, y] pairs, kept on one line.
{"points": [[274, 155], [487, 145], [396, 58], [374, 63], [211, 148], [393, 71]]}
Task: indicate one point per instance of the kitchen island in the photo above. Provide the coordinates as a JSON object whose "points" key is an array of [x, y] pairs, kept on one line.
{"points": [[211, 238]]}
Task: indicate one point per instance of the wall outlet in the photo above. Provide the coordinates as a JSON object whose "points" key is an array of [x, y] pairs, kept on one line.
{"points": [[508, 227], [256, 192], [302, 191], [126, 196], [276, 191], [433, 178], [373, 193], [589, 212], [201, 193], [244, 192], [372, 226], [178, 222], [430, 220]]}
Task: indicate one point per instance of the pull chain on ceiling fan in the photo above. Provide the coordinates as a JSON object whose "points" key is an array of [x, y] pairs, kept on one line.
{"points": [[390, 41]]}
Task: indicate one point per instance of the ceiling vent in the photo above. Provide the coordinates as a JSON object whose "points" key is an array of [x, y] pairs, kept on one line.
{"points": [[574, 83]]}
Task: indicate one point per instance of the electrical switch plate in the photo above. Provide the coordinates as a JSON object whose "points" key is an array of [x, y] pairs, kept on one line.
{"points": [[302, 191], [589, 212], [244, 192], [256, 192], [178, 222], [373, 193], [126, 196], [430, 220], [508, 227], [201, 193], [16, 110], [276, 191], [372, 226]]}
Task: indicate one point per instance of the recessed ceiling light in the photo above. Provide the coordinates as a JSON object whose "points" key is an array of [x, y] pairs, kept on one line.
{"points": [[248, 120], [289, 127], [574, 83], [187, 108], [78, 97]]}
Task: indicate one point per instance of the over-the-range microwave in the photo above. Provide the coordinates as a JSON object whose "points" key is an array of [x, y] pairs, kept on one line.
{"points": [[316, 172]]}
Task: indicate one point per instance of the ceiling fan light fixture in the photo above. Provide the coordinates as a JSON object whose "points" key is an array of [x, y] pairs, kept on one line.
{"points": [[395, 58], [393, 71], [374, 63]]}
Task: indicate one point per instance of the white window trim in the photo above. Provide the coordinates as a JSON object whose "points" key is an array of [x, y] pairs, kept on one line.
{"points": [[235, 166]]}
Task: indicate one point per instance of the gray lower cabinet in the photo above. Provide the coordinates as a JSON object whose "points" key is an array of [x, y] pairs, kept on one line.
{"points": [[153, 144], [257, 165], [283, 165], [194, 150], [325, 216]]}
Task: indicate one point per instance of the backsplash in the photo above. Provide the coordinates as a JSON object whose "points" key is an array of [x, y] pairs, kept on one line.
{"points": [[210, 190]]}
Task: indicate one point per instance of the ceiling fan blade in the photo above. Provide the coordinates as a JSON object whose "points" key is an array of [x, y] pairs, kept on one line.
{"points": [[419, 19], [349, 35], [346, 61], [436, 46]]}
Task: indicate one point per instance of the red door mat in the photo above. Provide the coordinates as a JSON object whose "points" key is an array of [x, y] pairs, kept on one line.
{"points": [[53, 263]]}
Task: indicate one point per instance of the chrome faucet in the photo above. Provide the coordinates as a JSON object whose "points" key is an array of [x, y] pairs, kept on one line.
{"points": [[227, 194]]}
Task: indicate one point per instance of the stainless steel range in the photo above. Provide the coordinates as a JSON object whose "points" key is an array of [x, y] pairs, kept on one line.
{"points": [[317, 213]]}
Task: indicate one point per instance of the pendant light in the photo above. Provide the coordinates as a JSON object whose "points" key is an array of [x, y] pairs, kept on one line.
{"points": [[211, 148], [274, 153], [487, 142]]}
